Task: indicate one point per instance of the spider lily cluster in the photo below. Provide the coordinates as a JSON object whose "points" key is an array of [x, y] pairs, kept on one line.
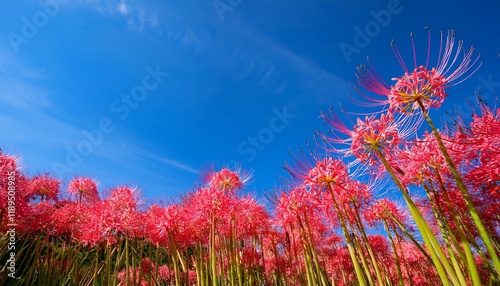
{"points": [[325, 226]]}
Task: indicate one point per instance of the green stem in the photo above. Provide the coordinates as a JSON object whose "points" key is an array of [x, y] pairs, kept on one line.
{"points": [[483, 233], [173, 253], [322, 275], [367, 243], [405, 262], [127, 262], [396, 257], [471, 264], [213, 261], [350, 246], [448, 236], [429, 239]]}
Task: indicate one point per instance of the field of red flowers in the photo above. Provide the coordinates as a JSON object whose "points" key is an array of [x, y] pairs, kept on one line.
{"points": [[328, 225]]}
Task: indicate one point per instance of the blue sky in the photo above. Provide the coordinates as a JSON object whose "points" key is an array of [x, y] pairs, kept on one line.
{"points": [[147, 93]]}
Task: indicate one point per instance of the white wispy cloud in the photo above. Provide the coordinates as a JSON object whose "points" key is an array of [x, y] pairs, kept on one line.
{"points": [[137, 16], [315, 76], [161, 159], [16, 84], [123, 8]]}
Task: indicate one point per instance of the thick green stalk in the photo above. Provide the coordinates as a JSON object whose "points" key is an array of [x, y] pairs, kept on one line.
{"points": [[307, 262], [173, 254], [319, 271], [350, 246], [483, 233], [213, 261], [127, 262], [364, 261], [396, 257], [311, 278], [367, 244], [425, 230], [408, 234], [469, 257], [448, 237], [407, 268]]}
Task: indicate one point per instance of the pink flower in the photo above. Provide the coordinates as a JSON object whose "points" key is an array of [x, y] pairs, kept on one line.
{"points": [[114, 217], [38, 219], [68, 219], [423, 86], [45, 186], [165, 274], [327, 173], [371, 136], [156, 225], [227, 180], [85, 189], [385, 210], [13, 183], [294, 205]]}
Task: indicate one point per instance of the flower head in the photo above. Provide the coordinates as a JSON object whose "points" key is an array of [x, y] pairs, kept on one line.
{"points": [[84, 188], [386, 210], [422, 87], [45, 186], [372, 136], [418, 87], [114, 217], [327, 173], [228, 180]]}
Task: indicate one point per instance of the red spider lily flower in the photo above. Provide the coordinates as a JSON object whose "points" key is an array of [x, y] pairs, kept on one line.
{"points": [[114, 217], [45, 186], [326, 174], [415, 266], [156, 225], [369, 136], [161, 222], [340, 267], [372, 136], [8, 165], [200, 206], [419, 161], [146, 269], [357, 195], [13, 185], [294, 205], [209, 200], [251, 218], [227, 180], [380, 247], [423, 85], [386, 210], [38, 219], [68, 219], [147, 266], [165, 274], [121, 207], [85, 189]]}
